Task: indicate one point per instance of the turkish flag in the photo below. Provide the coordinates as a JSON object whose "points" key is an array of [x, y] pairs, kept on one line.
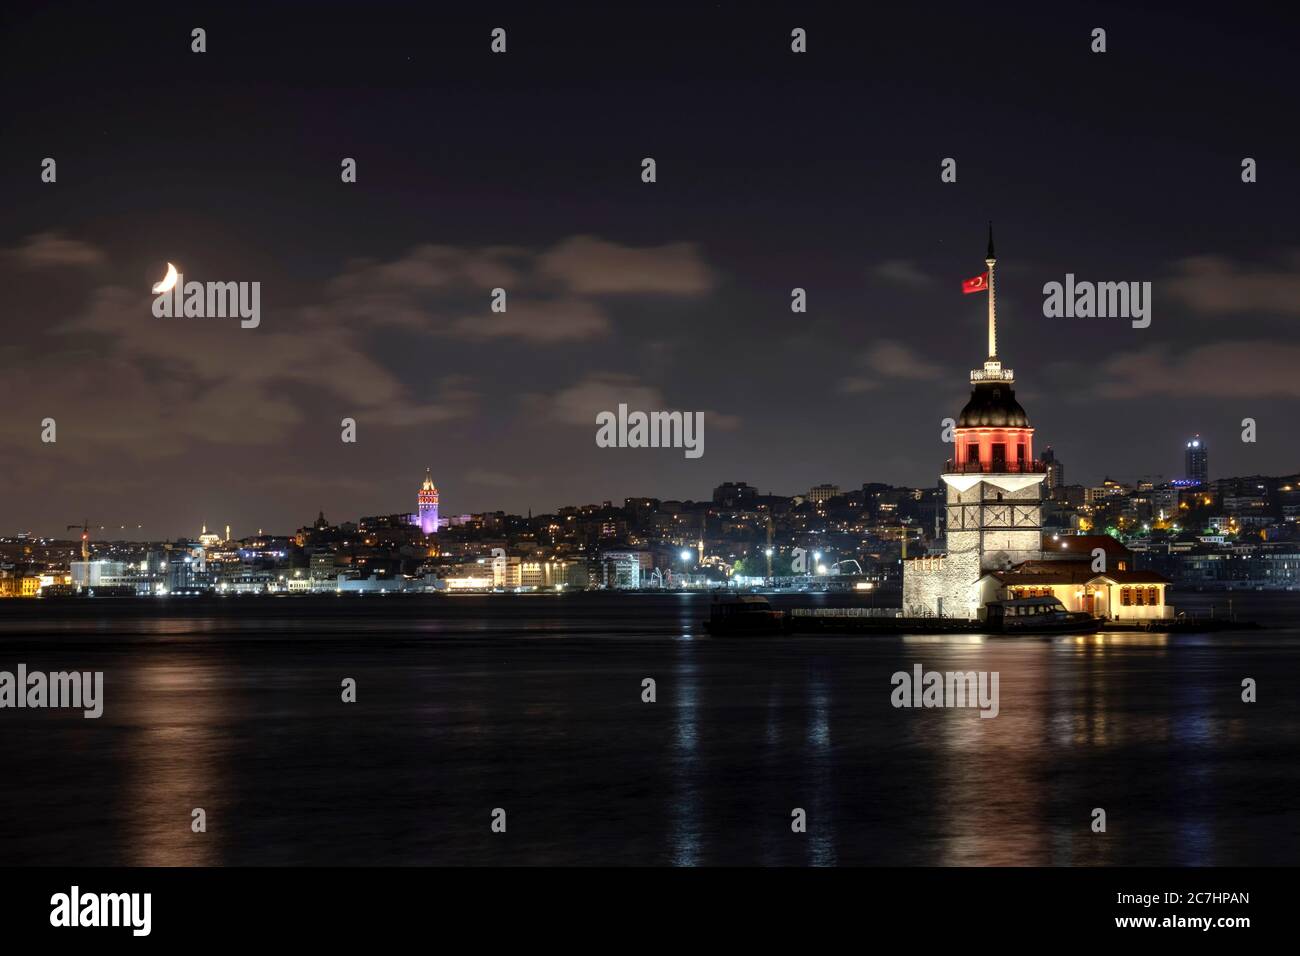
{"points": [[978, 284]]}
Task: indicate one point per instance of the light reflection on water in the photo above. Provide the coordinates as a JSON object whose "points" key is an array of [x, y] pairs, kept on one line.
{"points": [[174, 765], [821, 769], [686, 822], [536, 705]]}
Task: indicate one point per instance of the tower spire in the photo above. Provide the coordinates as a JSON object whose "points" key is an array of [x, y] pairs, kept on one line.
{"points": [[991, 261]]}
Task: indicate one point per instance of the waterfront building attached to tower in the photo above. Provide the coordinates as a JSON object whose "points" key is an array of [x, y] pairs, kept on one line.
{"points": [[992, 487]]}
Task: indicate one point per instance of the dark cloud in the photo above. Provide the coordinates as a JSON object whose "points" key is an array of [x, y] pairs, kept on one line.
{"points": [[903, 272], [1254, 369], [46, 250], [1217, 285], [587, 264], [890, 360]]}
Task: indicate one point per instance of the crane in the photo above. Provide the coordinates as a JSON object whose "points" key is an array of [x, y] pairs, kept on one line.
{"points": [[85, 527], [85, 537]]}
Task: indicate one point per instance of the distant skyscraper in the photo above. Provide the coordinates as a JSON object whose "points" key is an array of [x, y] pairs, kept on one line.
{"points": [[428, 505], [1198, 463], [1055, 470]]}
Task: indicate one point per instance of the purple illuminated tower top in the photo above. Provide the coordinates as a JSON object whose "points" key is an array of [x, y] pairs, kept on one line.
{"points": [[428, 508]]}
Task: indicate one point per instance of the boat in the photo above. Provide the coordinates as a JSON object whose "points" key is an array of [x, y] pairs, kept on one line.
{"points": [[1039, 615], [747, 615]]}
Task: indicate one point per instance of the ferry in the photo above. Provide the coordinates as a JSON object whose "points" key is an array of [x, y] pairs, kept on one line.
{"points": [[1039, 615], [747, 615]]}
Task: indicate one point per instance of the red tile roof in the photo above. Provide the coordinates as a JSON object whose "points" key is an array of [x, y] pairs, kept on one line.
{"points": [[1043, 573]]}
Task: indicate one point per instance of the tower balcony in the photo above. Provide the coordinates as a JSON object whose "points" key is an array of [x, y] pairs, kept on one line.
{"points": [[994, 467], [992, 374]]}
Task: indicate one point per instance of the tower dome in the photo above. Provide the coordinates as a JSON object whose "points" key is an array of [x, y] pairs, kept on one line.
{"points": [[993, 405]]}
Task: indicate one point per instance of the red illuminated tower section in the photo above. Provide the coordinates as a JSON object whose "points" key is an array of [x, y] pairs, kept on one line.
{"points": [[993, 505], [428, 505], [993, 434]]}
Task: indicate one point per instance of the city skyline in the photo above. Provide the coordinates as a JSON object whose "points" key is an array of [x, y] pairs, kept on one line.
{"points": [[813, 493], [376, 295]]}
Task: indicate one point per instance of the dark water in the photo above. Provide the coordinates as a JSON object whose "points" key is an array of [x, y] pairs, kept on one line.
{"points": [[533, 704]]}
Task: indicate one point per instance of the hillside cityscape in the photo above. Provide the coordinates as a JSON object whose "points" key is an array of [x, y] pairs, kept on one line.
{"points": [[1237, 532]]}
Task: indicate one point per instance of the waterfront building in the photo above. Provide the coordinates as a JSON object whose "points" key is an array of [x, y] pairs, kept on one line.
{"points": [[625, 569], [1114, 595], [245, 581], [101, 574], [557, 574], [19, 585], [1093, 573], [186, 569], [507, 571], [468, 582], [322, 570]]}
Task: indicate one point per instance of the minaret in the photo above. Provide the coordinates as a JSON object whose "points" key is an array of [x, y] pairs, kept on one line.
{"points": [[427, 505]]}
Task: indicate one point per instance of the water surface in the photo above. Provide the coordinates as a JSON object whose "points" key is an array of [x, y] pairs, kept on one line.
{"points": [[533, 704]]}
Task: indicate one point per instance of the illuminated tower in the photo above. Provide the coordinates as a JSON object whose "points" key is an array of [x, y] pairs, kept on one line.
{"points": [[428, 505], [992, 484], [1198, 469]]}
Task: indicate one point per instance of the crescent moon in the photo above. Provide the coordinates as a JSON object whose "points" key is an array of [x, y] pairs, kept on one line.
{"points": [[168, 280]]}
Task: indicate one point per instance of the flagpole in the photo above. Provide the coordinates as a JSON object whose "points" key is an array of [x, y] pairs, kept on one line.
{"points": [[991, 261]]}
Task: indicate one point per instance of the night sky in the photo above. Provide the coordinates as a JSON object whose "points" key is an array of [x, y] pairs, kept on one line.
{"points": [[523, 170]]}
